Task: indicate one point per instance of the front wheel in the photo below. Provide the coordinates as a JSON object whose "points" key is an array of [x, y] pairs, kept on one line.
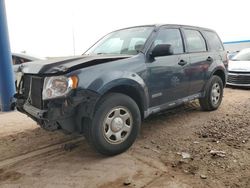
{"points": [[213, 94], [115, 125]]}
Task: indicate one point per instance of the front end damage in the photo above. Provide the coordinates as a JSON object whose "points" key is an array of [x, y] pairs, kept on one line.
{"points": [[64, 113]]}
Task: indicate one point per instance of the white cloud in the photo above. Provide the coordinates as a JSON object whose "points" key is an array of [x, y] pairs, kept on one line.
{"points": [[45, 27]]}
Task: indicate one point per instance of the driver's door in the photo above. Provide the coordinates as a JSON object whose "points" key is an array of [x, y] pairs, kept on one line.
{"points": [[167, 77]]}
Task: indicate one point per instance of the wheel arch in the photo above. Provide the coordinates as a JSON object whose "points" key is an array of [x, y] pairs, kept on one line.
{"points": [[221, 74], [130, 88]]}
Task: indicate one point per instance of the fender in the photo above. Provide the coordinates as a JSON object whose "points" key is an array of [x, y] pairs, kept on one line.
{"points": [[118, 79]]}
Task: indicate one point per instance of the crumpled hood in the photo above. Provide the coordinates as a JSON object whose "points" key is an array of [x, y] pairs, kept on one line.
{"points": [[239, 66], [63, 65]]}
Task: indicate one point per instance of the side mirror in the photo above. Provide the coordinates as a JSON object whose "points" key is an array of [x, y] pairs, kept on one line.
{"points": [[162, 50]]}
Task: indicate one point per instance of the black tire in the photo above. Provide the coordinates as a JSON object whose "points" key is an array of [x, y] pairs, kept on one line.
{"points": [[95, 129], [209, 102]]}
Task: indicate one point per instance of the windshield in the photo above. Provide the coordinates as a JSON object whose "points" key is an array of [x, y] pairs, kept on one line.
{"points": [[243, 55], [127, 41]]}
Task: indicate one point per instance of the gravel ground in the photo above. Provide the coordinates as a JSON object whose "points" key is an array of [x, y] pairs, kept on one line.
{"points": [[183, 147]]}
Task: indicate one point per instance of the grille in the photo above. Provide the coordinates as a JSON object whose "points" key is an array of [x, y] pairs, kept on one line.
{"points": [[36, 92], [239, 78], [34, 95]]}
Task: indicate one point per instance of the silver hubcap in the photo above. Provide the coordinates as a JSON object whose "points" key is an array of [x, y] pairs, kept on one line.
{"points": [[216, 92], [117, 125]]}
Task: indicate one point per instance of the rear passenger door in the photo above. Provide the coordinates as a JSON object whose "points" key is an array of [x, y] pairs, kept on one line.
{"points": [[199, 58]]}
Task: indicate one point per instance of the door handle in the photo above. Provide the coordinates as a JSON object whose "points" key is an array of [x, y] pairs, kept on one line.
{"points": [[210, 59], [182, 62]]}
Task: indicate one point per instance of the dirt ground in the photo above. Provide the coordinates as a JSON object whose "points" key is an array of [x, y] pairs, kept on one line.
{"points": [[181, 148]]}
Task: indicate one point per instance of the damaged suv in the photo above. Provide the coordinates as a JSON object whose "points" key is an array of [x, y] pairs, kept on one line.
{"points": [[126, 76]]}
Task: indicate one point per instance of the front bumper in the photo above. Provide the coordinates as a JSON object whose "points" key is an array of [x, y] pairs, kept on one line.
{"points": [[65, 113], [239, 79], [34, 112]]}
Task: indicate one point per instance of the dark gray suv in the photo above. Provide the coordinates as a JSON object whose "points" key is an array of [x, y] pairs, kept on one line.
{"points": [[122, 79]]}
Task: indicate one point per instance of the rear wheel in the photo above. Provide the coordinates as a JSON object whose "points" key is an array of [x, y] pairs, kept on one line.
{"points": [[213, 94], [115, 125]]}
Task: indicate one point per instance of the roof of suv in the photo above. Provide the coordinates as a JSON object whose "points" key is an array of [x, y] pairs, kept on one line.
{"points": [[171, 25]]}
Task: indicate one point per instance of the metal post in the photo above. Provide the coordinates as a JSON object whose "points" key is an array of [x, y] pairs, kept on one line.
{"points": [[7, 85]]}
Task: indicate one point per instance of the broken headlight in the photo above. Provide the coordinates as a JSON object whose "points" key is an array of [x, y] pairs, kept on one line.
{"points": [[58, 86]]}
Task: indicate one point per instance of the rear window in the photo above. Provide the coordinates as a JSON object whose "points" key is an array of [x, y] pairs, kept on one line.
{"points": [[195, 41], [213, 41]]}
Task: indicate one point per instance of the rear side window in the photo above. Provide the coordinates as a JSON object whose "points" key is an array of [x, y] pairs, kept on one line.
{"points": [[172, 37], [195, 41], [213, 41]]}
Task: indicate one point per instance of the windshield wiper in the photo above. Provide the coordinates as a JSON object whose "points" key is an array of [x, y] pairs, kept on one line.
{"points": [[101, 53]]}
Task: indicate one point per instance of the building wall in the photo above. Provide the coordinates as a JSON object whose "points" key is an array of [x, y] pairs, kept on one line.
{"points": [[236, 45]]}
